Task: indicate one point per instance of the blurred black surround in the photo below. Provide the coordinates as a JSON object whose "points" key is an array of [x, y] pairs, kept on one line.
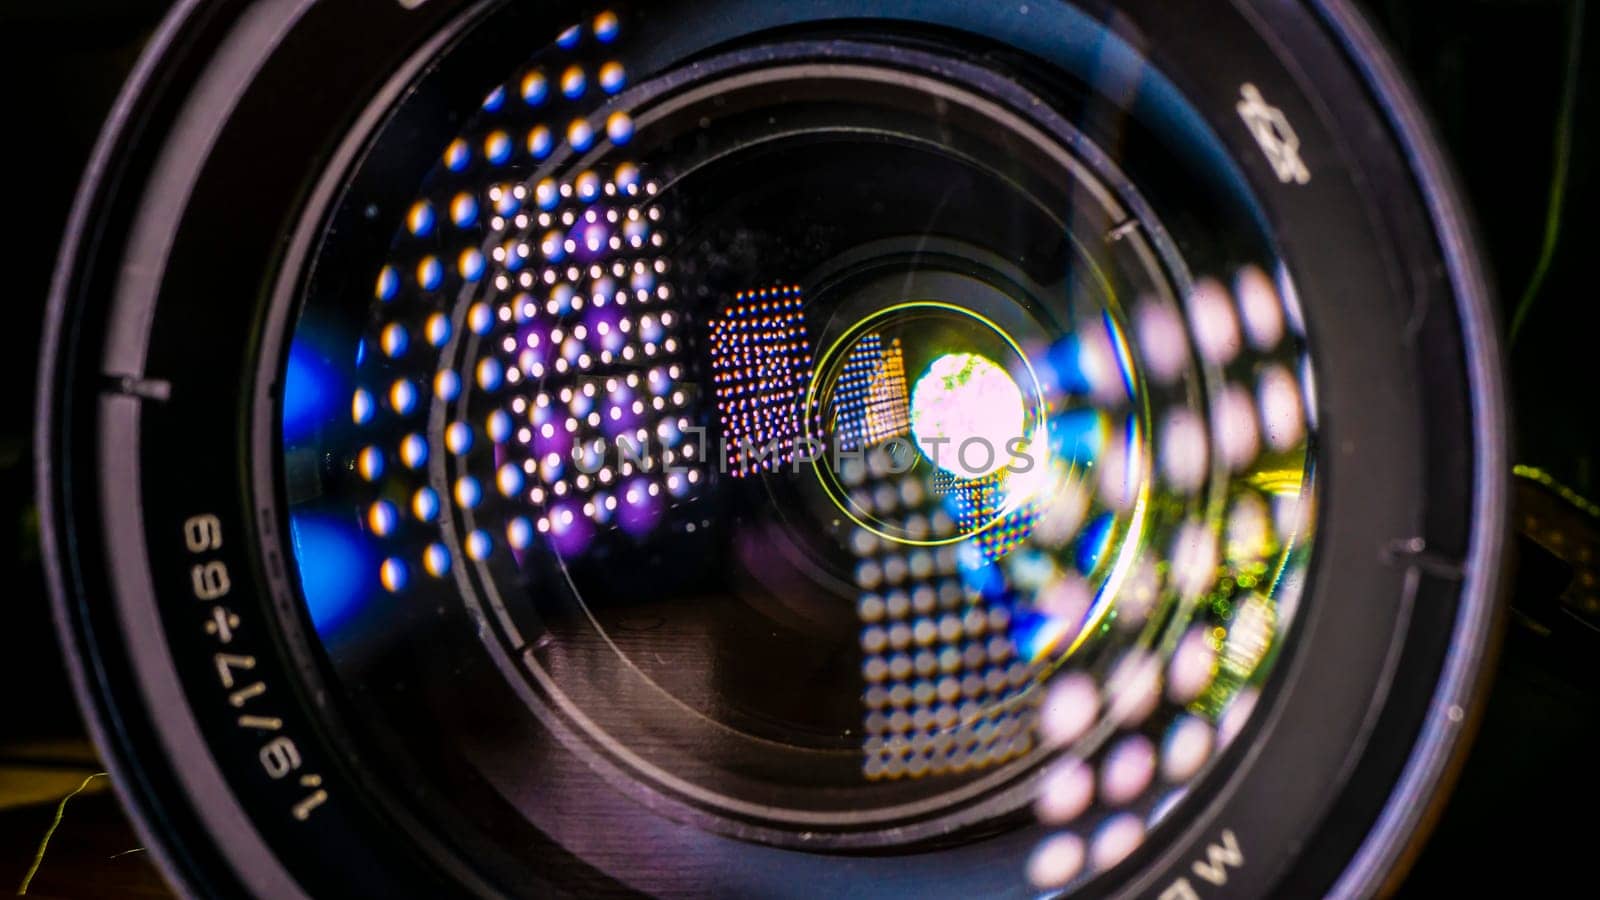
{"points": [[1493, 74]]}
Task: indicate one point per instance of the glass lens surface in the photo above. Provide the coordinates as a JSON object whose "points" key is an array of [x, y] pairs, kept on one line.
{"points": [[845, 449]]}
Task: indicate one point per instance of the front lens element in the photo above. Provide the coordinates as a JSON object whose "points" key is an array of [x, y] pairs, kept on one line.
{"points": [[828, 445]]}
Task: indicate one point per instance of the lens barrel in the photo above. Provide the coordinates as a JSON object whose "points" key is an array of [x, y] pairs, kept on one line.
{"points": [[723, 447]]}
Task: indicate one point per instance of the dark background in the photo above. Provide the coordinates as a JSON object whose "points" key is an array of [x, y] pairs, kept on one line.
{"points": [[1511, 89]]}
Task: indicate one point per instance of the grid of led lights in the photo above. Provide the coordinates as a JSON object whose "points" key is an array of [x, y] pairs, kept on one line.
{"points": [[589, 346], [761, 367], [1200, 606], [531, 312], [980, 509], [870, 402], [947, 691]]}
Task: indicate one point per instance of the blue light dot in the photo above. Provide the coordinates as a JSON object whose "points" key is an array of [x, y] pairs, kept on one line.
{"points": [[1093, 543], [509, 203], [395, 340], [479, 545], [519, 533], [588, 186], [362, 407], [370, 463], [509, 480], [419, 219], [447, 385], [464, 210], [1079, 436], [388, 284], [497, 147], [613, 77], [1066, 361], [382, 518], [457, 156], [438, 329], [540, 142], [403, 397], [574, 82], [436, 559], [499, 426], [535, 88], [626, 176], [430, 274], [619, 128], [468, 492], [490, 373], [495, 100], [458, 438], [394, 575], [414, 451], [580, 134], [425, 504]]}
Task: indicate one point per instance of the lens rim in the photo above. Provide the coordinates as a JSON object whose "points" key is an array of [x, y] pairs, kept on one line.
{"points": [[93, 412]]}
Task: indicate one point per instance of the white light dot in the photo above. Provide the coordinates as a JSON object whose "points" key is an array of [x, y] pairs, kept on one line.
{"points": [[1282, 418], [1162, 340], [1249, 532], [1216, 329], [1127, 770], [1259, 307], [1118, 836], [1138, 596], [1187, 747], [1193, 663], [1194, 560], [1234, 418], [1061, 511], [1065, 791], [1184, 451], [458, 437], [1120, 472], [1065, 598], [1235, 716], [1069, 708], [1056, 861], [1134, 688]]}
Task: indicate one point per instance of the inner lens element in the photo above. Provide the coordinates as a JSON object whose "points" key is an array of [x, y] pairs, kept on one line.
{"points": [[826, 444]]}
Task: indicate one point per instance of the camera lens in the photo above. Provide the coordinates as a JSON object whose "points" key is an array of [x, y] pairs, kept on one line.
{"points": [[762, 449]]}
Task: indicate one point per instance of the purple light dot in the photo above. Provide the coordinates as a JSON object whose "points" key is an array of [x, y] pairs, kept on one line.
{"points": [[570, 530], [639, 512]]}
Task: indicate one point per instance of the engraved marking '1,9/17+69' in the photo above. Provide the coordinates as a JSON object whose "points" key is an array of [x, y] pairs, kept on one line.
{"points": [[234, 669]]}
